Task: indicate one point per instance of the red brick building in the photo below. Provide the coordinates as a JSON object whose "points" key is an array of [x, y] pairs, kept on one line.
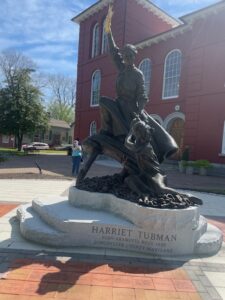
{"points": [[183, 62]]}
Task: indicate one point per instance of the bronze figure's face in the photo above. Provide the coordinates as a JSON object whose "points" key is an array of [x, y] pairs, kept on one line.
{"points": [[129, 53]]}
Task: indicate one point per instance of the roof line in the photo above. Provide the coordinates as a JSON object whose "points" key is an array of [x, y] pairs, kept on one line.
{"points": [[145, 3], [187, 25], [189, 16], [91, 10], [156, 8], [163, 36]]}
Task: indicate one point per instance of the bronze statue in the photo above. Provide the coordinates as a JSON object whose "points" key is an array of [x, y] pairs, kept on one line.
{"points": [[129, 135], [131, 97]]}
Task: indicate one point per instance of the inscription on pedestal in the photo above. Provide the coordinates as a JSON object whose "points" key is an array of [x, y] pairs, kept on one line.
{"points": [[133, 239]]}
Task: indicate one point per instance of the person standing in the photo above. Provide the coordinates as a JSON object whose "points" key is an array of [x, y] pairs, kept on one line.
{"points": [[76, 157]]}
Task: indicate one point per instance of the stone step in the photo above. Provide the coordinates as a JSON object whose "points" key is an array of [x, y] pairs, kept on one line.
{"points": [[201, 228], [33, 228], [61, 215], [210, 242]]}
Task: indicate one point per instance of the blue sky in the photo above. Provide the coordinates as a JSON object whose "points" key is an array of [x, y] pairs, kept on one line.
{"points": [[42, 30]]}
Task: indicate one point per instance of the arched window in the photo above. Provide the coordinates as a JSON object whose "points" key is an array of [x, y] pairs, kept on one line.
{"points": [[146, 68], [95, 88], [93, 128], [157, 118], [172, 71], [104, 40], [95, 41]]}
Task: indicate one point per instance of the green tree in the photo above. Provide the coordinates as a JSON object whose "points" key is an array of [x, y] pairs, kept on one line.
{"points": [[61, 111], [21, 108], [62, 105]]}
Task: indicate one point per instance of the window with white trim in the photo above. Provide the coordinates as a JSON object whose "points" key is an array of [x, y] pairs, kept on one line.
{"points": [[95, 41], [93, 128], [146, 67], [95, 88], [5, 139], [172, 72], [223, 142], [104, 40]]}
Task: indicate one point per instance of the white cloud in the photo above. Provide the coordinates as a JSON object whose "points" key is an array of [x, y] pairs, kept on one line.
{"points": [[42, 29], [177, 8], [38, 20], [55, 66], [189, 2], [59, 49], [6, 43]]}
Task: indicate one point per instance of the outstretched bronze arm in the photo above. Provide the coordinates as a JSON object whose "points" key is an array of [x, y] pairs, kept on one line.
{"points": [[114, 50]]}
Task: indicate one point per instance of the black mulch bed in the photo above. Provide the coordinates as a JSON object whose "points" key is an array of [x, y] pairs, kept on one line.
{"points": [[114, 185]]}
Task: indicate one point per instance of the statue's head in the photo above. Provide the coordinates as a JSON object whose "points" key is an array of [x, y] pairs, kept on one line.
{"points": [[129, 53], [142, 131]]}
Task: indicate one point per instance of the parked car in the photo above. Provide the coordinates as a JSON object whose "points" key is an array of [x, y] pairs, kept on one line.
{"points": [[35, 146]]}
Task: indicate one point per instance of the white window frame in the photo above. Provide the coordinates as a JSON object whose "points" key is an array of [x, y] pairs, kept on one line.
{"points": [[95, 40], [172, 77], [223, 140], [147, 82], [92, 88], [104, 48], [5, 139], [92, 125]]}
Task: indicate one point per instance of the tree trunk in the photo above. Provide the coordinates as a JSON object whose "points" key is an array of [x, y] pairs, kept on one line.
{"points": [[19, 141]]}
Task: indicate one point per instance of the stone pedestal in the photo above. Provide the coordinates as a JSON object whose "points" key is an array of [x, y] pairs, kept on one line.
{"points": [[102, 220]]}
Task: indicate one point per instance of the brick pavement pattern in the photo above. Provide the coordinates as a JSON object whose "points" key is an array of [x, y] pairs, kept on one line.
{"points": [[77, 279], [5, 208]]}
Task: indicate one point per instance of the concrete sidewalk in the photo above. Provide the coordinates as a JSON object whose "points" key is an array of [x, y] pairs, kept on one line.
{"points": [[23, 190], [59, 167]]}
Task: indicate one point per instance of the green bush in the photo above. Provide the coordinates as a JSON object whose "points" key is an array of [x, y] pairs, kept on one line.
{"points": [[187, 163], [202, 163]]}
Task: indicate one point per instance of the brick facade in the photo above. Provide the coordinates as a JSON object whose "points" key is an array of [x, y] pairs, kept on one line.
{"points": [[201, 100]]}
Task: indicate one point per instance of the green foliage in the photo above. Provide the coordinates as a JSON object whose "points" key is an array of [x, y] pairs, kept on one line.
{"points": [[202, 163], [6, 152], [188, 163], [62, 106], [21, 109], [61, 111]]}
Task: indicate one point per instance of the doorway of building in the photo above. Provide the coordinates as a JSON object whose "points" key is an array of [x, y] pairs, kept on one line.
{"points": [[176, 129]]}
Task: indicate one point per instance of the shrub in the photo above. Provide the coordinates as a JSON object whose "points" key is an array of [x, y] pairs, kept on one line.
{"points": [[188, 163], [202, 163]]}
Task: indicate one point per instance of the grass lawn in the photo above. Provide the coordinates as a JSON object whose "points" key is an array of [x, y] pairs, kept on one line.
{"points": [[4, 152], [58, 152], [10, 151]]}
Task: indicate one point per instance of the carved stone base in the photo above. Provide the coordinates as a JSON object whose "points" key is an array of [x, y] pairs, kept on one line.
{"points": [[104, 221]]}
